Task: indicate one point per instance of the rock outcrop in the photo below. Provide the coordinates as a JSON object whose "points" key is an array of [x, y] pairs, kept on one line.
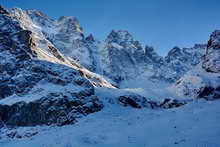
{"points": [[204, 80], [125, 58], [212, 57]]}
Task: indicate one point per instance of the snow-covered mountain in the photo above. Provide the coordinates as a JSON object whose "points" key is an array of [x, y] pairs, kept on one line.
{"points": [[124, 58], [52, 75], [119, 57], [37, 81]]}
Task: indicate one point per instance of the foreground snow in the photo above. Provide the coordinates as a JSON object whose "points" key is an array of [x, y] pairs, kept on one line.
{"points": [[193, 125]]}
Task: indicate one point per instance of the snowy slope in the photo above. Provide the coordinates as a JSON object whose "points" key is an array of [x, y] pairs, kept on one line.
{"points": [[118, 126], [198, 83], [54, 76]]}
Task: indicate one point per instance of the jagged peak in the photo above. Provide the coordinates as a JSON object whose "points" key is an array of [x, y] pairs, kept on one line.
{"points": [[149, 49], [37, 13], [119, 37], [3, 10], [150, 52], [214, 41], [70, 23], [211, 61], [174, 51], [196, 46], [19, 12], [29, 13], [90, 38], [71, 19], [215, 34]]}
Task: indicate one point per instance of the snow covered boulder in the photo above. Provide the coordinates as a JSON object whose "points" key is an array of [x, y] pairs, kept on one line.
{"points": [[136, 101], [172, 103]]}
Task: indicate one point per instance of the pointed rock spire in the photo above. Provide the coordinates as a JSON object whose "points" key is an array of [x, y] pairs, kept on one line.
{"points": [[90, 38], [3, 10], [120, 37], [212, 56]]}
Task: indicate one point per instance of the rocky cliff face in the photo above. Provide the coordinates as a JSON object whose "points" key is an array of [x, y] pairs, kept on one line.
{"points": [[212, 57], [204, 80], [124, 58]]}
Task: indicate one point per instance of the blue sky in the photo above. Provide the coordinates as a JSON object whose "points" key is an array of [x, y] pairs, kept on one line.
{"points": [[159, 23]]}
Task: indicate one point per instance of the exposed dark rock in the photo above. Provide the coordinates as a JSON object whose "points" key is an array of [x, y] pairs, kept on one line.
{"points": [[5, 90], [211, 62], [209, 93], [129, 101], [206, 91], [3, 10], [52, 109], [55, 53], [90, 38], [137, 101], [171, 103]]}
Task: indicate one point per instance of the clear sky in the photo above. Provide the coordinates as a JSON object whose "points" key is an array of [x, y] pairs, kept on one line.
{"points": [[159, 23]]}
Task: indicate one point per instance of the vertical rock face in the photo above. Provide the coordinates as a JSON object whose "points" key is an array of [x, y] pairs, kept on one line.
{"points": [[125, 58], [153, 56], [120, 61], [212, 57], [122, 38]]}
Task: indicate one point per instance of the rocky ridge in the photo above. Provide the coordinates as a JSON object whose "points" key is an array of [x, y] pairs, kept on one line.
{"points": [[204, 80], [50, 70], [119, 57]]}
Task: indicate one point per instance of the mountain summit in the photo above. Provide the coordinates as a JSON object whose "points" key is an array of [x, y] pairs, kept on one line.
{"points": [[52, 75]]}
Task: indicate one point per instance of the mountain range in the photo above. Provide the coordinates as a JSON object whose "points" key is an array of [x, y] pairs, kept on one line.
{"points": [[52, 74]]}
